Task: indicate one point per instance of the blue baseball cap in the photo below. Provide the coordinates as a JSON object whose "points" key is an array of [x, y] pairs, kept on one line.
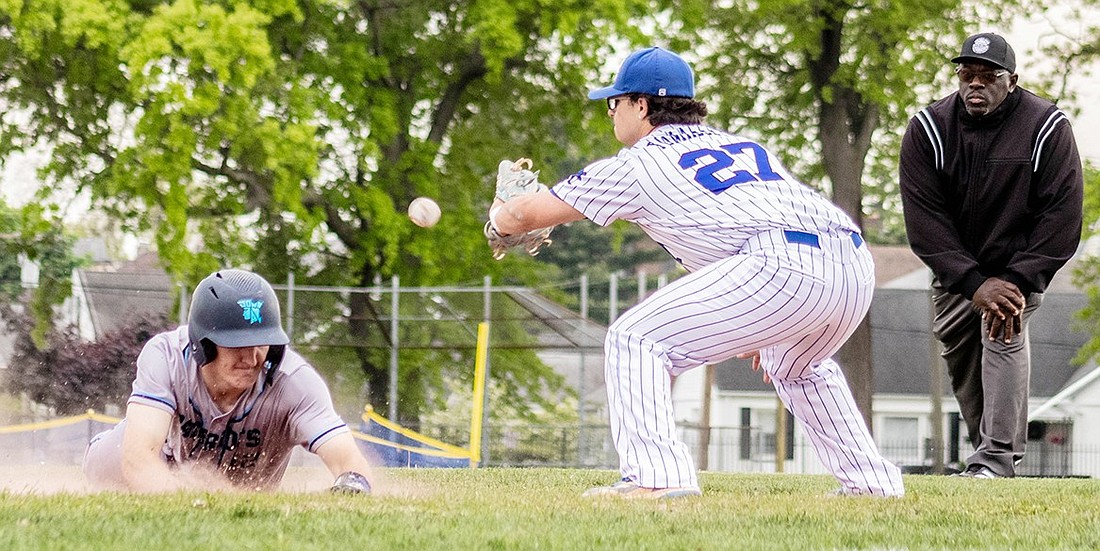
{"points": [[653, 71]]}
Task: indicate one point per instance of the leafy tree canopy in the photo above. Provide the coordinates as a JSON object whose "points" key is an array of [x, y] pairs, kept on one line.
{"points": [[31, 234], [291, 135], [832, 84], [1088, 270]]}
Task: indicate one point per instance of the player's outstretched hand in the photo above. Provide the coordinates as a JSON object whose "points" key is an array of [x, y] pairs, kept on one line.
{"points": [[351, 482], [515, 179], [755, 355]]}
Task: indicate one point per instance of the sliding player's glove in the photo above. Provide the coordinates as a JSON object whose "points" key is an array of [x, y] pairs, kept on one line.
{"points": [[515, 179], [351, 482]]}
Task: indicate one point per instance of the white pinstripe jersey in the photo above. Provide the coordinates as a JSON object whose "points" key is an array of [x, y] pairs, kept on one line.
{"points": [[699, 192], [251, 444]]}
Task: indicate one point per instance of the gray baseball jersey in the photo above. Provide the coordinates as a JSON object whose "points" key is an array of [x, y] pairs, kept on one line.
{"points": [[776, 268], [251, 444]]}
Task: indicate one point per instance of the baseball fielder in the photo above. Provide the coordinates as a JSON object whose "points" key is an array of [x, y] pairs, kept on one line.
{"points": [[775, 269], [224, 399]]}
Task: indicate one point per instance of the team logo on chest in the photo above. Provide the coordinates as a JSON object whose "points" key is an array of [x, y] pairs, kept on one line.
{"points": [[242, 445], [251, 310]]}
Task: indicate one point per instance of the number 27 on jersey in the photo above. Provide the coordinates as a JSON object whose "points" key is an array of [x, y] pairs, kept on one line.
{"points": [[708, 162]]}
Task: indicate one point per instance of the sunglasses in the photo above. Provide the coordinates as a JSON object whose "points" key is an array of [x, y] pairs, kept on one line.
{"points": [[613, 103], [984, 77]]}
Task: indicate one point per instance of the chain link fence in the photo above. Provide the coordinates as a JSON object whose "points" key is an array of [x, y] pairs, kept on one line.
{"points": [[398, 328]]}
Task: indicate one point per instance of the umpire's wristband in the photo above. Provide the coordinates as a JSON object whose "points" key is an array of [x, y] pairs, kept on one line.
{"points": [[351, 482]]}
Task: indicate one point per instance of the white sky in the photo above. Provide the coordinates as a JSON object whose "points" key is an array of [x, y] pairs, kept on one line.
{"points": [[18, 180]]}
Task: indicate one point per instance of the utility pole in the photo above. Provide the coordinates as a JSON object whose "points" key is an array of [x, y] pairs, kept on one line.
{"points": [[936, 389], [704, 418]]}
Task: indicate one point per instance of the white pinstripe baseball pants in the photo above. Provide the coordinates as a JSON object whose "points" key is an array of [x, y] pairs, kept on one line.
{"points": [[797, 304]]}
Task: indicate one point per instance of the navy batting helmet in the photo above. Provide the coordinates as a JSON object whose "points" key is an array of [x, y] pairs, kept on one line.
{"points": [[234, 309]]}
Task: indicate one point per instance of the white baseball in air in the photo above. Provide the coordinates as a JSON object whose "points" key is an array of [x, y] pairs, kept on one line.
{"points": [[424, 212]]}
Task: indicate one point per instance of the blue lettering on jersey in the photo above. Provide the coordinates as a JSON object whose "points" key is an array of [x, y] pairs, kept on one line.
{"points": [[682, 134], [711, 161], [251, 310]]}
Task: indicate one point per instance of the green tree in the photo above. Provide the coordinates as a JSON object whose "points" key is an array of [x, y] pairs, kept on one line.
{"points": [[1072, 43], [290, 135], [831, 85], [1074, 47], [72, 375], [1088, 270], [31, 233]]}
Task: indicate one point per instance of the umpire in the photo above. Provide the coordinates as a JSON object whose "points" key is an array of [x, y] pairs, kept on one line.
{"points": [[991, 185]]}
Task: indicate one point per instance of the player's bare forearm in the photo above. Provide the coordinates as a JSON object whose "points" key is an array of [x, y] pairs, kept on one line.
{"points": [[145, 471], [341, 454], [143, 466], [532, 212]]}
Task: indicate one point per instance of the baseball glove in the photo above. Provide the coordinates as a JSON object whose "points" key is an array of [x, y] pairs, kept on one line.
{"points": [[515, 179]]}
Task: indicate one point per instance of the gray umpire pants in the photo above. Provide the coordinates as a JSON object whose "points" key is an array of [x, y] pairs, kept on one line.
{"points": [[990, 379]]}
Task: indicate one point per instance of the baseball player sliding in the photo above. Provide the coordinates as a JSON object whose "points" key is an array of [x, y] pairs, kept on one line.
{"points": [[778, 273], [222, 400]]}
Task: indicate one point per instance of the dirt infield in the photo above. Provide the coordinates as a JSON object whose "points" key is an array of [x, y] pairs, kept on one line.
{"points": [[42, 479]]}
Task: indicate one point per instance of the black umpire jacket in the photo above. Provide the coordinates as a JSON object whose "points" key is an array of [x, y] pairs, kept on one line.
{"points": [[996, 196]]}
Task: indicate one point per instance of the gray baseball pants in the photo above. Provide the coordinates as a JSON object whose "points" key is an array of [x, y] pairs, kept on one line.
{"points": [[990, 379]]}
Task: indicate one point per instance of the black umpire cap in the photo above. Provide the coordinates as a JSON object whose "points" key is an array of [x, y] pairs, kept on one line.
{"points": [[988, 48]]}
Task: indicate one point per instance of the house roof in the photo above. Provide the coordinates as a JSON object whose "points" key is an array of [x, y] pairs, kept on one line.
{"points": [[137, 288], [902, 345], [574, 345], [894, 261]]}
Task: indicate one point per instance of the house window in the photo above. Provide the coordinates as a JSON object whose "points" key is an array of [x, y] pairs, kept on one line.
{"points": [[899, 440]]}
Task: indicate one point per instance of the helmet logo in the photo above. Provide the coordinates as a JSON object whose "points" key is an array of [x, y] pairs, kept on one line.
{"points": [[251, 309]]}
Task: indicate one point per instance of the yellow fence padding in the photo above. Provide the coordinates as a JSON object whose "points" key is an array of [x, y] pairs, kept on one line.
{"points": [[60, 422], [436, 448]]}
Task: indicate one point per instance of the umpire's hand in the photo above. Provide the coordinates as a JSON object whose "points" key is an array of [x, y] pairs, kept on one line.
{"points": [[1002, 306]]}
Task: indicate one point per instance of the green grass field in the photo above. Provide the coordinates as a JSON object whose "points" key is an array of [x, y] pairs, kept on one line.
{"points": [[456, 509]]}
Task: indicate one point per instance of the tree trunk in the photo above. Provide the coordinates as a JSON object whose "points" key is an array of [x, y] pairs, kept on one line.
{"points": [[845, 125], [362, 319], [843, 155], [855, 360]]}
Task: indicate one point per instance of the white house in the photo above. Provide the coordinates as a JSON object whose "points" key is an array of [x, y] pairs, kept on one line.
{"points": [[105, 293]]}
